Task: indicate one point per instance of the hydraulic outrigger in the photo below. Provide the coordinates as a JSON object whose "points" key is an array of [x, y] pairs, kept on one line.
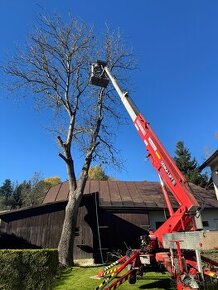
{"points": [[165, 246]]}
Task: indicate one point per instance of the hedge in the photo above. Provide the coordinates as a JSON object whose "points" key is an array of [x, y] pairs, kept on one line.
{"points": [[28, 269]]}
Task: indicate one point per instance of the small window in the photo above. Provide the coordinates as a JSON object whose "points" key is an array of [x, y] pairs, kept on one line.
{"points": [[205, 224]]}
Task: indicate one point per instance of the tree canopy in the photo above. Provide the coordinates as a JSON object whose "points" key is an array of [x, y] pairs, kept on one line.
{"points": [[54, 68], [188, 165], [27, 193], [6, 191], [97, 173]]}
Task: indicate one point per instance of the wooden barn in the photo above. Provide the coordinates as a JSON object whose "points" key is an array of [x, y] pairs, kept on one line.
{"points": [[112, 215]]}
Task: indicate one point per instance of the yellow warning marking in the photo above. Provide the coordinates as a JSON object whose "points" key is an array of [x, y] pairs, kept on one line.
{"points": [[158, 155]]}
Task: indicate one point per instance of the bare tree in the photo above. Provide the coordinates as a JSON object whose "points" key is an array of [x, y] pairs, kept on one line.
{"points": [[55, 66]]}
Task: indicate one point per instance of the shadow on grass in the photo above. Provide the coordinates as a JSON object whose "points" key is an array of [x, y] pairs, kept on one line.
{"points": [[62, 274], [146, 282], [167, 284], [158, 284]]}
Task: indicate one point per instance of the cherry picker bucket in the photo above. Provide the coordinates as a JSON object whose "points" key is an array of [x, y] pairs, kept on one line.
{"points": [[98, 77]]}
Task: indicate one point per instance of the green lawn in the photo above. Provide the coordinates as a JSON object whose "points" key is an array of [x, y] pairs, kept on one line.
{"points": [[83, 278]]}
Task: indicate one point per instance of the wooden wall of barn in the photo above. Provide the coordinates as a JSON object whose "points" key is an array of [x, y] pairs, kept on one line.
{"points": [[41, 227], [120, 228]]}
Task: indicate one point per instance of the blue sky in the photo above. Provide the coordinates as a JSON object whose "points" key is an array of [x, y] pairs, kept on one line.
{"points": [[175, 86]]}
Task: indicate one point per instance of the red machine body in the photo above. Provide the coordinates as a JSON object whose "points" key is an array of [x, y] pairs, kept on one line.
{"points": [[183, 218], [184, 269]]}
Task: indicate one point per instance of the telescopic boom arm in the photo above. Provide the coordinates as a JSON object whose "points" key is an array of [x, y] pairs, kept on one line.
{"points": [[169, 174]]}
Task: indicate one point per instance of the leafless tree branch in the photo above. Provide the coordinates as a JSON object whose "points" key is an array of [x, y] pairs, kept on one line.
{"points": [[54, 70]]}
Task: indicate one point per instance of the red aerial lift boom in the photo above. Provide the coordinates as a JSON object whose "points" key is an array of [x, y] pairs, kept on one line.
{"points": [[186, 270]]}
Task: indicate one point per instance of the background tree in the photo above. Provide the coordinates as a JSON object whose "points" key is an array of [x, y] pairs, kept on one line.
{"points": [[33, 191], [27, 193], [6, 191], [16, 199], [55, 65], [10, 195], [97, 173], [188, 165], [52, 181]]}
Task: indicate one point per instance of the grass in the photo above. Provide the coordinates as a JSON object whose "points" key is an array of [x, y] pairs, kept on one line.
{"points": [[84, 278]]}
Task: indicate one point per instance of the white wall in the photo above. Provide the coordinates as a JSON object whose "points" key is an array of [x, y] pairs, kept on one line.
{"points": [[211, 216], [215, 178], [156, 216], [208, 215]]}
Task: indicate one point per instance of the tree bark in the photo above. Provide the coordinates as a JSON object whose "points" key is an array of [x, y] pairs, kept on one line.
{"points": [[66, 244]]}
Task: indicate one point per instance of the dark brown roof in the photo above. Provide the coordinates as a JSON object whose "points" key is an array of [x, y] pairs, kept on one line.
{"points": [[210, 160], [129, 194]]}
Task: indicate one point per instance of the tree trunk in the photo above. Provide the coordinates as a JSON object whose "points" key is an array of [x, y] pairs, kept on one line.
{"points": [[66, 244]]}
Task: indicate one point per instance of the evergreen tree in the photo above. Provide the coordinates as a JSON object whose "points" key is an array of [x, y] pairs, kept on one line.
{"points": [[188, 165], [18, 197], [26, 193], [6, 191]]}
